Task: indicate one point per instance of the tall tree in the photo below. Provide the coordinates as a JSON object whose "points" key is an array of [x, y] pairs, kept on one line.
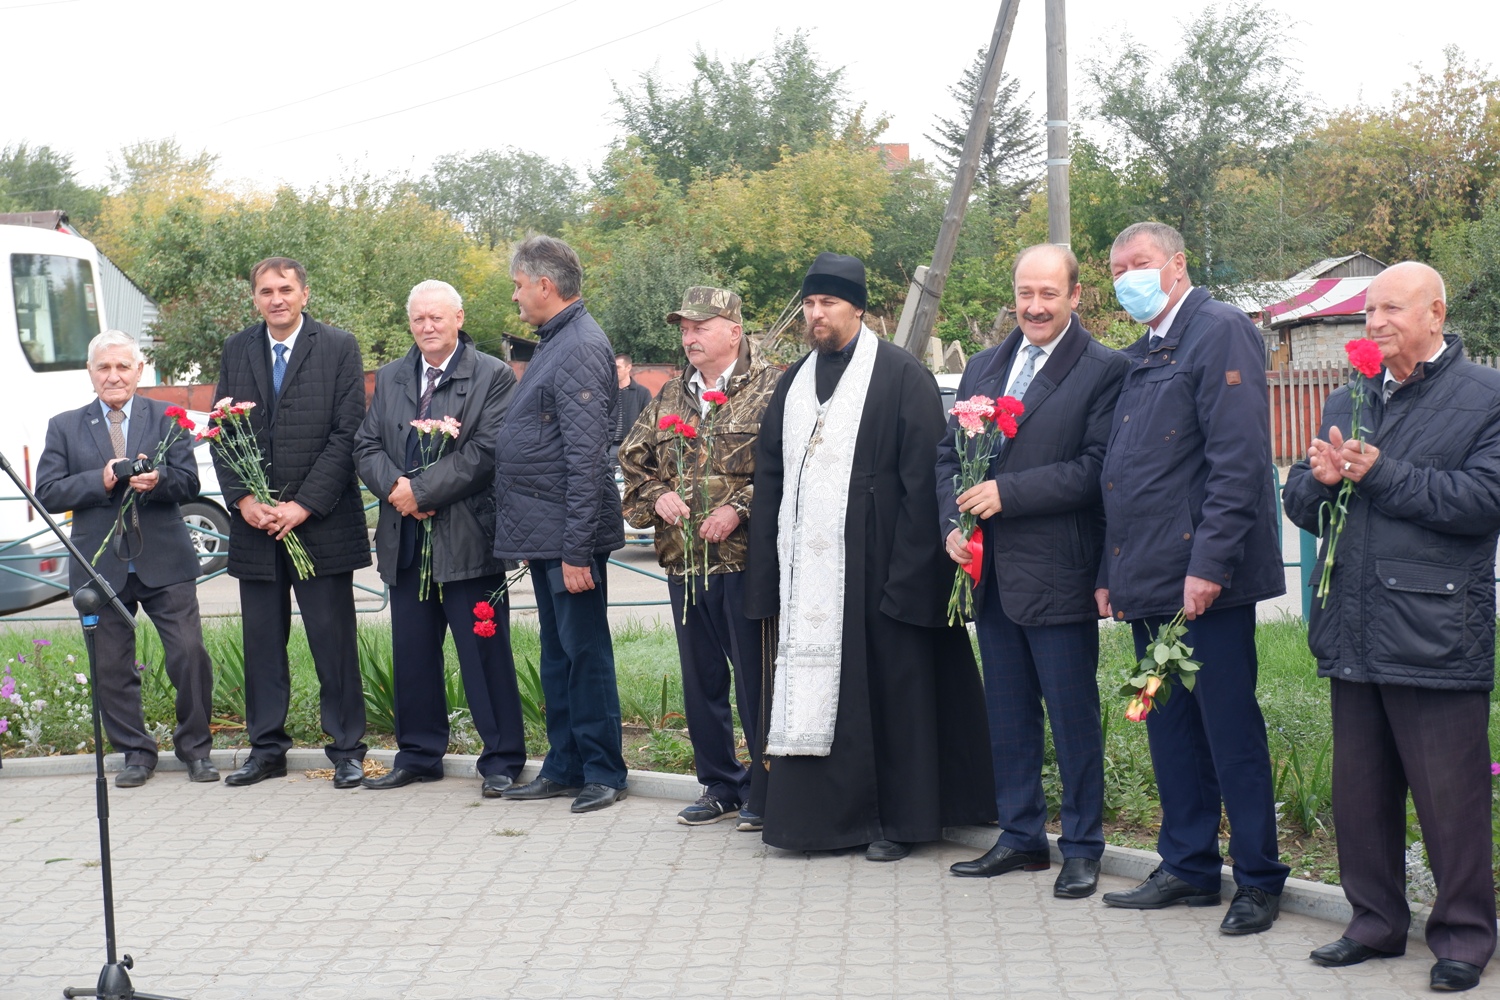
{"points": [[1228, 99], [1009, 161], [501, 195], [745, 114], [1468, 255], [39, 178]]}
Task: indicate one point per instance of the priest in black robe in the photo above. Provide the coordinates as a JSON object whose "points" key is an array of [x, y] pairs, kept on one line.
{"points": [[876, 730]]}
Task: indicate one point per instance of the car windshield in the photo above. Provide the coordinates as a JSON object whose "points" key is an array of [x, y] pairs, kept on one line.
{"points": [[57, 310]]}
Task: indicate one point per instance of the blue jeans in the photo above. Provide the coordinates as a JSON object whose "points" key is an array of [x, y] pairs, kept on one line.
{"points": [[578, 682]]}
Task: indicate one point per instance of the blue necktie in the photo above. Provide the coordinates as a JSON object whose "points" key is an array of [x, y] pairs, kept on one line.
{"points": [[1028, 371], [278, 372]]}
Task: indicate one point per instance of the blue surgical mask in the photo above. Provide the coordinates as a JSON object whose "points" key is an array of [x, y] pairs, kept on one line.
{"points": [[1140, 293]]}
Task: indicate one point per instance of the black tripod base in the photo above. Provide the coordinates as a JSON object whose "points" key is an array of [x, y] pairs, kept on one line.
{"points": [[114, 984]]}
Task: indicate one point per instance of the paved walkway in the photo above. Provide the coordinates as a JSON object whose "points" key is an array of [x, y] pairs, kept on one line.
{"points": [[293, 889]]}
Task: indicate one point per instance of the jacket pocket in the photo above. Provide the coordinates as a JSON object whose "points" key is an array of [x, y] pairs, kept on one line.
{"points": [[1420, 621]]}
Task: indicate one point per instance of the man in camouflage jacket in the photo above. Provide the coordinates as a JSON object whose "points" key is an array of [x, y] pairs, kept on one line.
{"points": [[718, 400]]}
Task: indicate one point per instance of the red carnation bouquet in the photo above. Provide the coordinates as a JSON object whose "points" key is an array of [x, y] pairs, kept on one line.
{"points": [[983, 423], [177, 414], [484, 611], [234, 439], [1367, 360], [694, 489]]}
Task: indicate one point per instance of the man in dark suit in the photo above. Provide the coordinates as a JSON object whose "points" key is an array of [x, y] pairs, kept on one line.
{"points": [[633, 399], [308, 382], [443, 375], [1042, 521], [150, 560], [1191, 524]]}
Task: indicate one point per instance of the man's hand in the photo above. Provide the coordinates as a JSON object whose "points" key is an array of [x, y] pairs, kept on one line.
{"points": [[145, 483], [1355, 457], [109, 478], [719, 525], [1101, 598], [402, 498], [957, 547], [982, 500], [285, 517], [1197, 595], [1323, 459], [671, 509], [577, 578], [255, 513]]}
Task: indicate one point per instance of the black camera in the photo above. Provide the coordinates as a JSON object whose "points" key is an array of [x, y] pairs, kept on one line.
{"points": [[124, 468]]}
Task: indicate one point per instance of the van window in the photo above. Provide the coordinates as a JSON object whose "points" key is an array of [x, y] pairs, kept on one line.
{"points": [[57, 310]]}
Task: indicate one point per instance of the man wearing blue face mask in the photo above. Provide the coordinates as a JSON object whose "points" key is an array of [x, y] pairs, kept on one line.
{"points": [[1190, 515]]}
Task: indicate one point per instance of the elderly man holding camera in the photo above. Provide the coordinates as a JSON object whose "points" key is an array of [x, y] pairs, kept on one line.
{"points": [[120, 445]]}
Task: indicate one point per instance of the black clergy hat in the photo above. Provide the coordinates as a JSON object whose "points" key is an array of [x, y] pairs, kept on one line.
{"points": [[837, 275]]}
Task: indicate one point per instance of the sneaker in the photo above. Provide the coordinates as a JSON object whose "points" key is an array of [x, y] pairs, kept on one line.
{"points": [[706, 810], [749, 822]]}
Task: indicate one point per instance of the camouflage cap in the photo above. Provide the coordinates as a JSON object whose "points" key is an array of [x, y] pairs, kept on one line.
{"points": [[706, 302]]}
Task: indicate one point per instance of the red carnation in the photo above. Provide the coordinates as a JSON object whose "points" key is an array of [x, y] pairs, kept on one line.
{"points": [[669, 422], [715, 397], [485, 629], [1365, 356], [686, 429], [1006, 424], [185, 423], [1009, 405], [176, 411], [484, 611]]}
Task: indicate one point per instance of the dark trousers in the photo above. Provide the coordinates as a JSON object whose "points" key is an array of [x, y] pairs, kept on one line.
{"points": [[715, 638], [1208, 748], [1386, 740], [578, 681], [173, 609], [327, 604], [1025, 665], [485, 663]]}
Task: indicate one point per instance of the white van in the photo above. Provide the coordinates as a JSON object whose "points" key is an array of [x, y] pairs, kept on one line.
{"points": [[51, 306]]}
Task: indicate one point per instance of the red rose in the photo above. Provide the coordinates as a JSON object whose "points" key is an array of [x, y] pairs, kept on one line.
{"points": [[485, 629], [1365, 356], [484, 611], [715, 397]]}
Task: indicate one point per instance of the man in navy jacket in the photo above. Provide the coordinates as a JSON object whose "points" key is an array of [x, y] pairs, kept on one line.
{"points": [[1191, 523], [557, 506], [1043, 527]]}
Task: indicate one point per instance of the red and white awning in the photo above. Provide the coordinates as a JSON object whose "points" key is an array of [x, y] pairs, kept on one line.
{"points": [[1324, 297]]}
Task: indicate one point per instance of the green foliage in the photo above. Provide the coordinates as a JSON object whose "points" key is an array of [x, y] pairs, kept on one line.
{"points": [[1009, 154], [1468, 255], [39, 178], [501, 195], [1304, 792], [667, 750], [639, 274], [1226, 100], [745, 115]]}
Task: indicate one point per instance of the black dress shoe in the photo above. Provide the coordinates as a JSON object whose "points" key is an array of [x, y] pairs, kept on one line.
{"points": [[133, 776], [1162, 889], [256, 769], [1452, 976], [1251, 911], [887, 850], [538, 788], [202, 770], [1079, 878], [1346, 951], [494, 784], [348, 773], [397, 777], [999, 860], [596, 796]]}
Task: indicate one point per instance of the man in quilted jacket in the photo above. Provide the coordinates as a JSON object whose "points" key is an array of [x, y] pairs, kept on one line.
{"points": [[556, 506], [721, 397]]}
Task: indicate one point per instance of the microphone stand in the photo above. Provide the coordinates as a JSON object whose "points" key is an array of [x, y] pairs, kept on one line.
{"points": [[114, 981]]}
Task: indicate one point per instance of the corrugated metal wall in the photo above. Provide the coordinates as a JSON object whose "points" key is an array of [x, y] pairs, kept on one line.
{"points": [[125, 305]]}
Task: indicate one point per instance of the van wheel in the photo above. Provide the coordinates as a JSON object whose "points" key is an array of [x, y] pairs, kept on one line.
{"points": [[203, 517]]}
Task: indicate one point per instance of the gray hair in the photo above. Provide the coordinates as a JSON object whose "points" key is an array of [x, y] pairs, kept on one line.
{"points": [[547, 257], [435, 287], [1167, 240], [115, 338]]}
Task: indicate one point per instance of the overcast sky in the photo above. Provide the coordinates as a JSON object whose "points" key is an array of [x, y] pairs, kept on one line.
{"points": [[241, 80]]}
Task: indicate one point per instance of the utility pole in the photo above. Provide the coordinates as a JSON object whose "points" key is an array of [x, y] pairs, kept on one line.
{"points": [[924, 314], [1059, 209]]}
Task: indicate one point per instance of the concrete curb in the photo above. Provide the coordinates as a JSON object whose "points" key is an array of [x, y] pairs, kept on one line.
{"points": [[1313, 899]]}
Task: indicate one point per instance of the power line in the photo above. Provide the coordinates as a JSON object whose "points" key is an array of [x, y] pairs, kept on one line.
{"points": [[377, 76], [39, 3], [495, 83]]}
